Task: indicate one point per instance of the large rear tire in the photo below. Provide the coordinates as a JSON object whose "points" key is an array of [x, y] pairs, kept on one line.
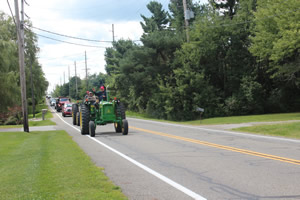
{"points": [[121, 111], [92, 128], [84, 119], [78, 118], [74, 113], [125, 127]]}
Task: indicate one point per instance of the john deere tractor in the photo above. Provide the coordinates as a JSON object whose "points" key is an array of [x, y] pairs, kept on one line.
{"points": [[92, 112]]}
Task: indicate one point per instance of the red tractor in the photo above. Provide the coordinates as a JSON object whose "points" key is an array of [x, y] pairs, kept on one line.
{"points": [[61, 102]]}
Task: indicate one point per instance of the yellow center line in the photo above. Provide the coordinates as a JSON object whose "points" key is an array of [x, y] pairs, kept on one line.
{"points": [[243, 151]]}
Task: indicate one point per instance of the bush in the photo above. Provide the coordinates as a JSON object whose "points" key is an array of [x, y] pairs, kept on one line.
{"points": [[11, 121], [12, 117]]}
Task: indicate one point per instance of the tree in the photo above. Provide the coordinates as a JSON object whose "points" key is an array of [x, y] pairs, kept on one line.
{"points": [[276, 40], [159, 19], [225, 7], [9, 67], [115, 53], [9, 76]]}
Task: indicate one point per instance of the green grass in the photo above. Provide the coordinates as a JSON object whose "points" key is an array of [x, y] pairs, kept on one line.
{"points": [[290, 130], [38, 111], [229, 120], [46, 122], [49, 165]]}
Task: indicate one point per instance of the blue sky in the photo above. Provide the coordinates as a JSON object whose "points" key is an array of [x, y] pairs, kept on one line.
{"points": [[90, 19]]}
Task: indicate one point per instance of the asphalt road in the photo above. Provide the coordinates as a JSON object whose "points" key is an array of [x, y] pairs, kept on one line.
{"points": [[165, 161]]}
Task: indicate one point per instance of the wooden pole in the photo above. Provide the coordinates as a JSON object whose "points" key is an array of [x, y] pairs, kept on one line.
{"points": [[20, 35]]}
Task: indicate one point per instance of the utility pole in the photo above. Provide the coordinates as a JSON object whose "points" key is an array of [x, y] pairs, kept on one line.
{"points": [[64, 78], [113, 32], [76, 81], [20, 35], [186, 21], [86, 72]]}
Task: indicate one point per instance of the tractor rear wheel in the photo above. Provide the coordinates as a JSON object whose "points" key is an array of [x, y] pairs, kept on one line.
{"points": [[121, 111], [78, 118], [125, 127], [118, 127], [74, 113], [92, 128], [84, 119]]}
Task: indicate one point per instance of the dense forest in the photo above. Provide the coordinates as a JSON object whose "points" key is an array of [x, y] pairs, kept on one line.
{"points": [[9, 68], [242, 58]]}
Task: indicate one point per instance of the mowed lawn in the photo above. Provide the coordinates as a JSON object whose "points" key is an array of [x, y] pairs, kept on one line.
{"points": [[227, 120], [49, 165], [289, 130]]}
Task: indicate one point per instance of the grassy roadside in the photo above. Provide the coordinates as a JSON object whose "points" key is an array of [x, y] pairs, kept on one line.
{"points": [[46, 122], [49, 165], [38, 111], [38, 115], [289, 130], [228, 120]]}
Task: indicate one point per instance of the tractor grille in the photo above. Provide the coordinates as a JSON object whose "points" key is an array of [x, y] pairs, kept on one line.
{"points": [[108, 110]]}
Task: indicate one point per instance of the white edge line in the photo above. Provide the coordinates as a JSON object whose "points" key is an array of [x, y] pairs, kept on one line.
{"points": [[147, 169], [220, 131]]}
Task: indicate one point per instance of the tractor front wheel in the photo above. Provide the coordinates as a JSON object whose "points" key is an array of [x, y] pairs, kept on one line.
{"points": [[92, 128], [84, 119], [125, 127]]}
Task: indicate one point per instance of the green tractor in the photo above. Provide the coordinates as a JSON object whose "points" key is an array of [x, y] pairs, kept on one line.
{"points": [[92, 112]]}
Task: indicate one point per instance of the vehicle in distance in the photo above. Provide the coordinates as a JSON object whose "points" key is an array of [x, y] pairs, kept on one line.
{"points": [[60, 103], [52, 102]]}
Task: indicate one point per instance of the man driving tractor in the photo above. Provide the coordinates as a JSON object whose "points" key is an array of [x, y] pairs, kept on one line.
{"points": [[100, 94]]}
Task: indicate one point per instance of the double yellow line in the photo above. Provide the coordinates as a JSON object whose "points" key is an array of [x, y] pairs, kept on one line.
{"points": [[252, 153]]}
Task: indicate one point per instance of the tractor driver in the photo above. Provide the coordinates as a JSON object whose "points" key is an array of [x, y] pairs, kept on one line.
{"points": [[101, 94]]}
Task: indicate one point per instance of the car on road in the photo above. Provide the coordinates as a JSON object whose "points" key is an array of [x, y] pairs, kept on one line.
{"points": [[67, 109], [52, 102], [60, 103]]}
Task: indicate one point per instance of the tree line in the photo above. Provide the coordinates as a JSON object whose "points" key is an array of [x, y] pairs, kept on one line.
{"points": [[9, 66], [242, 58]]}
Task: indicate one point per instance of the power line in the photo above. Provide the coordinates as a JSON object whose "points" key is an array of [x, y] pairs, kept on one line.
{"points": [[73, 37], [12, 15], [68, 42]]}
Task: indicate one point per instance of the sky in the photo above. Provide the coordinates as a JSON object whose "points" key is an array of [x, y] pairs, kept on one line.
{"points": [[90, 19]]}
